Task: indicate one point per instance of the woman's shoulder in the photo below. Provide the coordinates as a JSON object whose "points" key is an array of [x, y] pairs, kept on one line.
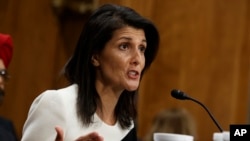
{"points": [[49, 109], [60, 94], [59, 97]]}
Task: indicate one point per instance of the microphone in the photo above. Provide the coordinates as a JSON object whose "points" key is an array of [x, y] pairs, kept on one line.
{"points": [[182, 96]]}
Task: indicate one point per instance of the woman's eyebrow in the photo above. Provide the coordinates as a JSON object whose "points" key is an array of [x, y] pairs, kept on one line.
{"points": [[129, 38]]}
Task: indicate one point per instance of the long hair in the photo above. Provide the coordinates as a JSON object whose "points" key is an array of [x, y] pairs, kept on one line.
{"points": [[97, 31]]}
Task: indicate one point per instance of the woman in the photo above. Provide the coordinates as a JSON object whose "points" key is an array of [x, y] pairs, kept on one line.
{"points": [[174, 120], [116, 46]]}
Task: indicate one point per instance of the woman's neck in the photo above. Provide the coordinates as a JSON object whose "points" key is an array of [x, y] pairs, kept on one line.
{"points": [[107, 103]]}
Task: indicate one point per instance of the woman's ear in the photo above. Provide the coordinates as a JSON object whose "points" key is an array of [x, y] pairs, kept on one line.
{"points": [[95, 60]]}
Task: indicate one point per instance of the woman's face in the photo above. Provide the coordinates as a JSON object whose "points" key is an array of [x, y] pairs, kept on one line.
{"points": [[122, 60]]}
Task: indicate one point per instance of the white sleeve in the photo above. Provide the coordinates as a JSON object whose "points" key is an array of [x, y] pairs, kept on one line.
{"points": [[45, 113]]}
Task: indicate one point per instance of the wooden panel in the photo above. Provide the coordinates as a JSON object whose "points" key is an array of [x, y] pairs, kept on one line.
{"points": [[203, 52]]}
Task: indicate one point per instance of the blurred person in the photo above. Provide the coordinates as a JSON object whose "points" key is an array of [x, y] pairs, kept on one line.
{"points": [[7, 129], [115, 48], [173, 120]]}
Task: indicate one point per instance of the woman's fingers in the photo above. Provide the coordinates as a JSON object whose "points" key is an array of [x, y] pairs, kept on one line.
{"points": [[59, 131], [90, 137]]}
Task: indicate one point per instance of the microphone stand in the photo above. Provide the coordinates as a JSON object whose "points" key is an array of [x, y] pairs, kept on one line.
{"points": [[216, 123]]}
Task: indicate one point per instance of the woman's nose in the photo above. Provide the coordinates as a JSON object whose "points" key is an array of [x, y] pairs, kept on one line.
{"points": [[136, 57]]}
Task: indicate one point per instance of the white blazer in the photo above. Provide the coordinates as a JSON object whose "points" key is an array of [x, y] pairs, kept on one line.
{"points": [[58, 107]]}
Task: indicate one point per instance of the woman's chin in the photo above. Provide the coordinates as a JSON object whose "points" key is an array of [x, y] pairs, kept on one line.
{"points": [[132, 88]]}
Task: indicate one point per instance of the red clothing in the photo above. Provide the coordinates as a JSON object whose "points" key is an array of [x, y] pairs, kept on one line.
{"points": [[6, 49]]}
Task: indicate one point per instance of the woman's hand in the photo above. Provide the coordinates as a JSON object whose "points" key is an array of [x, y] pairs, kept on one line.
{"points": [[89, 137], [59, 131]]}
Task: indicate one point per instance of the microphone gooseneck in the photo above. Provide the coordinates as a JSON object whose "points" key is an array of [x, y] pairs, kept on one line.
{"points": [[178, 94]]}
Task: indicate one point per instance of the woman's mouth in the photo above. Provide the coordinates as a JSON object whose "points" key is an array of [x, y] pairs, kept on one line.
{"points": [[133, 74]]}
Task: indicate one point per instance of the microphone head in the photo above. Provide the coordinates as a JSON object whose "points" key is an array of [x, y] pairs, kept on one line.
{"points": [[178, 94]]}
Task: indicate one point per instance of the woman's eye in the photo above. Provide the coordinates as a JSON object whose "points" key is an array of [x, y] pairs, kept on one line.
{"points": [[123, 46], [142, 49]]}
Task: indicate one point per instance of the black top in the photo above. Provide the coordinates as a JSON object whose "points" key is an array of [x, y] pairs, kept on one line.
{"points": [[131, 136], [7, 130]]}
